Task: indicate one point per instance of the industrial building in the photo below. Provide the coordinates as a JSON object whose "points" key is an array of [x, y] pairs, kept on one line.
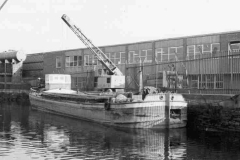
{"points": [[207, 63], [11, 69]]}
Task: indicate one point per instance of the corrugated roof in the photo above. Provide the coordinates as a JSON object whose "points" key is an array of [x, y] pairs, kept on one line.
{"points": [[34, 58]]}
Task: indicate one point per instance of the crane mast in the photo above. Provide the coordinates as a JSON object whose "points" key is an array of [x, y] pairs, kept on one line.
{"points": [[107, 63]]}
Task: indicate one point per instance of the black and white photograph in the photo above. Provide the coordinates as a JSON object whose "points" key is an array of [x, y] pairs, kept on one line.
{"points": [[119, 80]]}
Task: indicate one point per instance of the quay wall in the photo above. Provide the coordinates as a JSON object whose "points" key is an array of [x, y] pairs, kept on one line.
{"points": [[14, 95], [213, 112]]}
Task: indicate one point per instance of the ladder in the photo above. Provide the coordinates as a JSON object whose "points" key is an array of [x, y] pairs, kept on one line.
{"points": [[107, 63]]}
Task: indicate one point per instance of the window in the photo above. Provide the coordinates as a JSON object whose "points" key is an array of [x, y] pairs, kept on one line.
{"points": [[90, 60], [107, 54], [198, 51], [86, 60], [194, 81], [164, 54], [146, 56], [79, 60], [169, 54], [215, 48], [234, 49], [219, 82], [206, 51], [202, 51], [95, 61], [116, 58], [130, 56], [172, 54], [122, 57], [143, 56], [179, 53], [112, 57], [73, 61], [58, 62], [136, 57], [209, 81], [158, 53], [190, 52]]}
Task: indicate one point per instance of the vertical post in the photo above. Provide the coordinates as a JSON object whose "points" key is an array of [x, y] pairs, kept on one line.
{"points": [[140, 77], [176, 77], [156, 77], [154, 54], [167, 109], [200, 75], [231, 62], [87, 81]]}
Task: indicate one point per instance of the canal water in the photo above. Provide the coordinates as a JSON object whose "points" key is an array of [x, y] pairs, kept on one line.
{"points": [[26, 134]]}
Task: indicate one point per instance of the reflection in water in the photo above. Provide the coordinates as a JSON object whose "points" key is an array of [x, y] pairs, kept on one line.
{"points": [[26, 134]]}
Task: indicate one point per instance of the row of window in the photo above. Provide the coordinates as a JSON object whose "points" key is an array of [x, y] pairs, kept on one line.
{"points": [[167, 54], [145, 56], [164, 54], [203, 51], [206, 81]]}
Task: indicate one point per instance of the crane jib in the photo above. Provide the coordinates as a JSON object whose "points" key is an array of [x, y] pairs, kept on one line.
{"points": [[110, 66]]}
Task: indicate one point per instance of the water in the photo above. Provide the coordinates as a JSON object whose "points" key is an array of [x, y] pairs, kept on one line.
{"points": [[27, 135]]}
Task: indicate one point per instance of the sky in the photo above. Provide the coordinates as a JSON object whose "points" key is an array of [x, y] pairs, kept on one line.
{"points": [[35, 26]]}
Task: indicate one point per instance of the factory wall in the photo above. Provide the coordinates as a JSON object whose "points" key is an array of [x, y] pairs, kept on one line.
{"points": [[155, 56]]}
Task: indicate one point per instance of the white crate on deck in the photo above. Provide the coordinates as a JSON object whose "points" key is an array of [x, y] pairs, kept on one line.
{"points": [[56, 81]]}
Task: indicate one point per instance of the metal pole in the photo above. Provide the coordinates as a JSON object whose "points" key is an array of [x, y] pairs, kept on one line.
{"points": [[156, 69], [175, 74], [200, 75], [141, 76]]}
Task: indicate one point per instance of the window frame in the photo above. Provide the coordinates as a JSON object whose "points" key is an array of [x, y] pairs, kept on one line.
{"points": [[131, 60], [190, 52], [122, 58], [72, 61], [218, 51], [219, 81], [86, 60], [58, 61], [158, 54], [146, 60], [195, 81], [231, 51]]}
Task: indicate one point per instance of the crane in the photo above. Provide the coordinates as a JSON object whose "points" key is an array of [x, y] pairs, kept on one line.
{"points": [[115, 80], [110, 66], [3, 4]]}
